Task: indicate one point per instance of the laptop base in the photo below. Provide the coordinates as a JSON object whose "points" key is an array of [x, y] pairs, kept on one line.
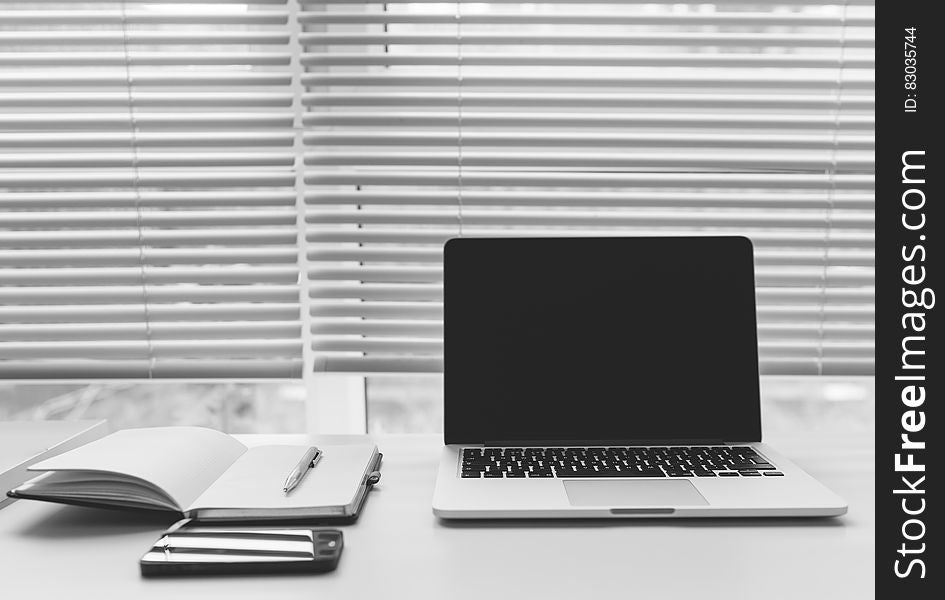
{"points": [[796, 494]]}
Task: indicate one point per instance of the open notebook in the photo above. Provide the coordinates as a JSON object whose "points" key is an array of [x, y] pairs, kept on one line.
{"points": [[205, 475]]}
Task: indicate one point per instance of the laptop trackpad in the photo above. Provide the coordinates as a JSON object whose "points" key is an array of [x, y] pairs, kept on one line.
{"points": [[629, 493]]}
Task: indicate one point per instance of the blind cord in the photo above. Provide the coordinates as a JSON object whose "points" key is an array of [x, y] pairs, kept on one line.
{"points": [[136, 187], [459, 115], [832, 186]]}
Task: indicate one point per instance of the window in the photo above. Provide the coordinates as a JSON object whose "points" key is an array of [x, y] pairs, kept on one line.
{"points": [[431, 120], [147, 191], [259, 190], [233, 407]]}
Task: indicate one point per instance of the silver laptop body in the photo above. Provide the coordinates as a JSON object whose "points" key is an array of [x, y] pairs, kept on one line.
{"points": [[608, 378]]}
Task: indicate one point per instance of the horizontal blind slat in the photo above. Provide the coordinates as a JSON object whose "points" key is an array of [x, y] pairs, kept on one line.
{"points": [[613, 100], [809, 160], [140, 369], [68, 257], [110, 139], [190, 16], [104, 58], [810, 331], [623, 199], [779, 349], [592, 16], [592, 139], [116, 37], [144, 159], [123, 349], [433, 292], [752, 3], [146, 199], [552, 179], [56, 78], [188, 236], [433, 311], [156, 331], [584, 59], [767, 40], [217, 100], [433, 235], [697, 80], [128, 313], [587, 119], [764, 276], [128, 275], [107, 121], [152, 218], [70, 295], [609, 218], [403, 364], [435, 256], [240, 4], [156, 178]]}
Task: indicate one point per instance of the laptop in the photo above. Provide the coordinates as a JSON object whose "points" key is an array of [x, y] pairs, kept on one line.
{"points": [[608, 377]]}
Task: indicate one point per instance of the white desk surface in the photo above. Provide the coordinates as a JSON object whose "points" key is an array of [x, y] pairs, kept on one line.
{"points": [[400, 550]]}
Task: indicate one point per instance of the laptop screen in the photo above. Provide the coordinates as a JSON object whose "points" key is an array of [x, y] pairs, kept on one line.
{"points": [[600, 340]]}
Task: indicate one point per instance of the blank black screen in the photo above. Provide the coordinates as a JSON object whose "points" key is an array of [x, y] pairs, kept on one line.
{"points": [[600, 339]]}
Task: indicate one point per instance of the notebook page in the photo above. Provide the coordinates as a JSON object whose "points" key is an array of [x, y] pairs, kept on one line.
{"points": [[96, 487], [255, 480], [182, 461]]}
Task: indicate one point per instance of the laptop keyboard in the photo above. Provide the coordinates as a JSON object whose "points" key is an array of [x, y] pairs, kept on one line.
{"points": [[617, 461]]}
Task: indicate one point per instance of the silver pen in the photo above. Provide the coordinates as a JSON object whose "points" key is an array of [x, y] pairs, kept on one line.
{"points": [[307, 463]]}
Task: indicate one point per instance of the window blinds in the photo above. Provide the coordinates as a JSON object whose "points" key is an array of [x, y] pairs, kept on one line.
{"points": [[147, 190], [151, 160], [429, 120]]}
